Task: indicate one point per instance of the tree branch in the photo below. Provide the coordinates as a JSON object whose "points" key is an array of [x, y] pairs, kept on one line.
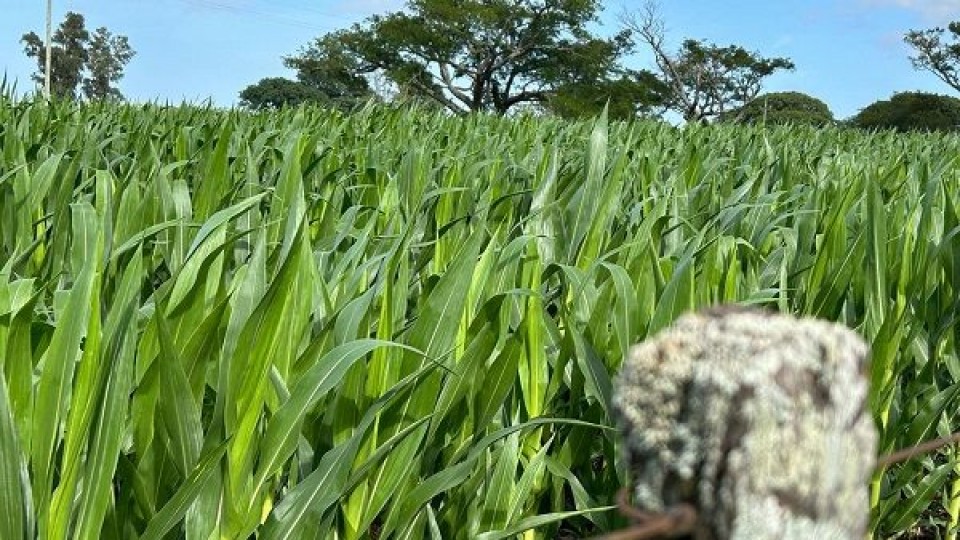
{"points": [[935, 56], [448, 82], [455, 107], [651, 29]]}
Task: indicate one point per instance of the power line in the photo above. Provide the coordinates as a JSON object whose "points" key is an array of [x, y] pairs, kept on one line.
{"points": [[240, 9], [237, 10], [321, 12]]}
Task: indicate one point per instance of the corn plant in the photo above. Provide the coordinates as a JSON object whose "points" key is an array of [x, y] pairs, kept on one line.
{"points": [[396, 324]]}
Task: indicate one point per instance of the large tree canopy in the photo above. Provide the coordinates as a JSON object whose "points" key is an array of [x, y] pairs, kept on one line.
{"points": [[79, 62], [703, 80], [329, 75], [331, 68], [938, 51], [633, 94], [472, 55]]}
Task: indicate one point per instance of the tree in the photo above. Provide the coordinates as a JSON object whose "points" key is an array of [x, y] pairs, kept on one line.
{"points": [[277, 92], [331, 76], [79, 62], [69, 55], [783, 108], [704, 80], [332, 70], [472, 55], [911, 111], [938, 51], [106, 57], [632, 94]]}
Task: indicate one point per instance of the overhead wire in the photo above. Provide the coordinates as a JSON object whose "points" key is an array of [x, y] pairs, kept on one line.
{"points": [[273, 17]]}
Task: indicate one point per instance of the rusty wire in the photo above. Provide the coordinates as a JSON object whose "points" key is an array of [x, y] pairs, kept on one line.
{"points": [[674, 523], [918, 450]]}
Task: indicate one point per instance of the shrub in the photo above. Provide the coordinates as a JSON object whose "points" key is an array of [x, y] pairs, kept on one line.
{"points": [[911, 111], [277, 92], [784, 108]]}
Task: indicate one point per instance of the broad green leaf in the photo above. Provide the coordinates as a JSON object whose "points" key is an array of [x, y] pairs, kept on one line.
{"points": [[176, 508], [14, 479], [285, 426], [59, 360], [538, 521], [907, 512], [500, 485]]}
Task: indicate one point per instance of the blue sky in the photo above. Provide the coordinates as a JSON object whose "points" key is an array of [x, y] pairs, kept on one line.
{"points": [[848, 53]]}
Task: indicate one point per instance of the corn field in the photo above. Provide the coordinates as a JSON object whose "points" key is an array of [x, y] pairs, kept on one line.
{"points": [[396, 324]]}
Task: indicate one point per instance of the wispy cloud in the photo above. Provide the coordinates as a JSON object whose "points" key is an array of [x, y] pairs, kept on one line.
{"points": [[934, 10], [783, 42], [369, 7], [295, 13]]}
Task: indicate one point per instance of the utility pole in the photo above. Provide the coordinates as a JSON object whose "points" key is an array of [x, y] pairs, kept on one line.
{"points": [[49, 63]]}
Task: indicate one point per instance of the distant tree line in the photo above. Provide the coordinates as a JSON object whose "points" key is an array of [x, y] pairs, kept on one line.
{"points": [[82, 64], [498, 56]]}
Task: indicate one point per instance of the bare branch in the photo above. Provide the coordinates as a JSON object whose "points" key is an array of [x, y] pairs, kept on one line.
{"points": [[525, 96], [936, 56], [650, 27], [702, 80], [454, 89], [440, 97]]}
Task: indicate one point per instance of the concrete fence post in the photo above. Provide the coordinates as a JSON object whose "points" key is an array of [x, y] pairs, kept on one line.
{"points": [[759, 421]]}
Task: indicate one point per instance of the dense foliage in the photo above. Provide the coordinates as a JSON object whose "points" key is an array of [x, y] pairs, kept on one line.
{"points": [[277, 92], [911, 111], [214, 322], [629, 97], [80, 61], [482, 56], [478, 55], [777, 108]]}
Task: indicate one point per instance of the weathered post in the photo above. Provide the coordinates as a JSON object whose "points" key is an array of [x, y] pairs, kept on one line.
{"points": [[759, 421]]}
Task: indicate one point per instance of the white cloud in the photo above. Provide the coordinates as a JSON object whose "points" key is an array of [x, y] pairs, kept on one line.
{"points": [[935, 10]]}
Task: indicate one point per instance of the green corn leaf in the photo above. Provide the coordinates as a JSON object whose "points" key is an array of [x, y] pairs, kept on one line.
{"points": [[176, 508], [538, 521], [14, 479], [280, 438], [56, 377]]}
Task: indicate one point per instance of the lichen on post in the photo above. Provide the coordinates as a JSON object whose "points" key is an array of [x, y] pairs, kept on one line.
{"points": [[758, 420]]}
